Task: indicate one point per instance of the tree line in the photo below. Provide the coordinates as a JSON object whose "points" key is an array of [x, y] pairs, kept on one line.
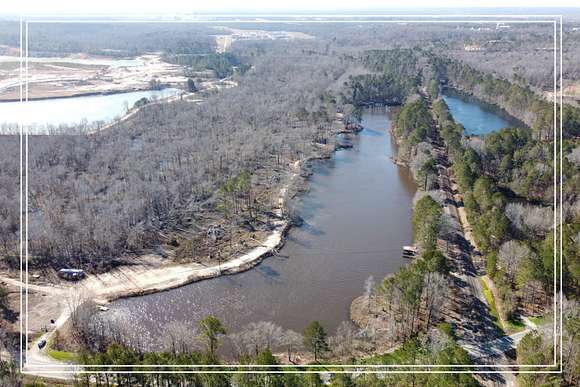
{"points": [[438, 347], [517, 99]]}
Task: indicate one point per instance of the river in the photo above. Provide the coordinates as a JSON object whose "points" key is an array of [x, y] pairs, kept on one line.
{"points": [[357, 218]]}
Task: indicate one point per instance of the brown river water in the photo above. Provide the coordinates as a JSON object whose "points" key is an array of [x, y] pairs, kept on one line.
{"points": [[357, 217]]}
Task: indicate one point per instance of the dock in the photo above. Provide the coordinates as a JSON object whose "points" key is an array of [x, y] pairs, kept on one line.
{"points": [[410, 252]]}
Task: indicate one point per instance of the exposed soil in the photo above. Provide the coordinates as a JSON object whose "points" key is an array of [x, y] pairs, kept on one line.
{"points": [[55, 77]]}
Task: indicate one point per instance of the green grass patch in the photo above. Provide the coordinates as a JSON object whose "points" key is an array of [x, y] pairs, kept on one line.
{"points": [[63, 356], [488, 294], [515, 326], [540, 320]]}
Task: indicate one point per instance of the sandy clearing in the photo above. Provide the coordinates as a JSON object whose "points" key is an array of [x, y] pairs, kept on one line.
{"points": [[103, 75]]}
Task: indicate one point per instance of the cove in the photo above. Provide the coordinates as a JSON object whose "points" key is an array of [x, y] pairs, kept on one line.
{"points": [[357, 218], [478, 118]]}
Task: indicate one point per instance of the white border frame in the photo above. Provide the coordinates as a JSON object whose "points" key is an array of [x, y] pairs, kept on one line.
{"points": [[24, 22]]}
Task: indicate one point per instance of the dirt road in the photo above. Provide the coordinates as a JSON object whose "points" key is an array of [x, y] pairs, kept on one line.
{"points": [[475, 327]]}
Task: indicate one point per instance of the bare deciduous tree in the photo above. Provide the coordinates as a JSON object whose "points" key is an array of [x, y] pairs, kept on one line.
{"points": [[369, 291], [81, 309], [293, 341], [256, 337], [435, 292], [510, 255], [344, 342], [180, 337], [531, 219]]}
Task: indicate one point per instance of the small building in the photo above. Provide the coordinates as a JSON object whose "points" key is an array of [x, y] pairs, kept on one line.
{"points": [[71, 274]]}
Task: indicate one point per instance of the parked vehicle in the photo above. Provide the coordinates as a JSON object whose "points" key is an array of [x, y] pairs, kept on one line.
{"points": [[71, 274]]}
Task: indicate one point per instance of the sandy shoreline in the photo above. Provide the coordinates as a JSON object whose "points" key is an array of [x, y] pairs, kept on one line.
{"points": [[125, 283]]}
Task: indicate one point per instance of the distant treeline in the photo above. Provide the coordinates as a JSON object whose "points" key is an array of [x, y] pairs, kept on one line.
{"points": [[520, 101], [398, 73], [222, 64], [391, 76], [111, 39]]}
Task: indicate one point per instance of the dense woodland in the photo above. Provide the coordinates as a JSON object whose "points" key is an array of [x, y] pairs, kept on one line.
{"points": [[223, 65], [93, 196], [506, 179], [438, 348]]}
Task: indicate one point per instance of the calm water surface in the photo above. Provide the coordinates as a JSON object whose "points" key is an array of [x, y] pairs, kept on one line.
{"points": [[478, 118], [357, 218], [76, 109]]}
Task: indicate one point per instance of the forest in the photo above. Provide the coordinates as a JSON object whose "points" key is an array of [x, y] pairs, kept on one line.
{"points": [[223, 65], [95, 196], [506, 179], [109, 39]]}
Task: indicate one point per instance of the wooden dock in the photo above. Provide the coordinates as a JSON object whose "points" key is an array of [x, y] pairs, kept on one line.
{"points": [[410, 252]]}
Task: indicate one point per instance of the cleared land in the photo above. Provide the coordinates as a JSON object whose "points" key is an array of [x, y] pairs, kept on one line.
{"points": [[74, 75]]}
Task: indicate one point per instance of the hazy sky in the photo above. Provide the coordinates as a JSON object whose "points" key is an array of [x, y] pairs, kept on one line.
{"points": [[191, 6]]}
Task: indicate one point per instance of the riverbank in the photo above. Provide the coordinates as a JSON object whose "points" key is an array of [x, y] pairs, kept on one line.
{"points": [[137, 280], [322, 265], [129, 281]]}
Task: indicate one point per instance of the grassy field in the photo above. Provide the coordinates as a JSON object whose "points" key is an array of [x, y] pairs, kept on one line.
{"points": [[540, 320], [64, 356]]}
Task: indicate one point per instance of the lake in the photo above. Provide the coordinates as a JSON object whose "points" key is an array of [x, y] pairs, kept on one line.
{"points": [[73, 110]]}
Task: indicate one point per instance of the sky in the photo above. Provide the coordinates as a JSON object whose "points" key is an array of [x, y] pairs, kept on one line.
{"points": [[100, 7]]}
